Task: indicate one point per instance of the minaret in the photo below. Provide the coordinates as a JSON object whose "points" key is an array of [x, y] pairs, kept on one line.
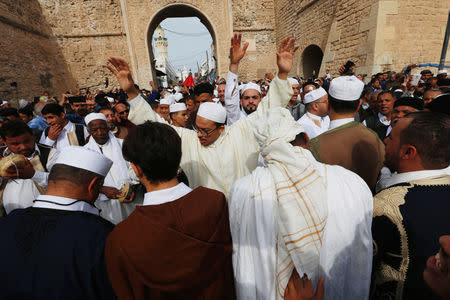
{"points": [[161, 43]]}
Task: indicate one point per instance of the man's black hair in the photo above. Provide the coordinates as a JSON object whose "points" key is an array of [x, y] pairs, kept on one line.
{"points": [[429, 133], [156, 149], [14, 129], [6, 112], [343, 107], [310, 82], [385, 92], [52, 108], [27, 110], [202, 88]]}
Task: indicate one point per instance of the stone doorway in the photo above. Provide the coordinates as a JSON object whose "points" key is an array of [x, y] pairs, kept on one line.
{"points": [[178, 11], [312, 60]]}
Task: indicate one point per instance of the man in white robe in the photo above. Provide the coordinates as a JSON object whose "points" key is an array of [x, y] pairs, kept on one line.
{"points": [[106, 143], [230, 152], [316, 120], [255, 208]]}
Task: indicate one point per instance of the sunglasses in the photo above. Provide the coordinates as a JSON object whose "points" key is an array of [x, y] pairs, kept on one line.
{"points": [[124, 112]]}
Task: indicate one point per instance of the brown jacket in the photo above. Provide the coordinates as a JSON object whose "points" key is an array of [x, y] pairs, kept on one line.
{"points": [[176, 250], [121, 132], [352, 146]]}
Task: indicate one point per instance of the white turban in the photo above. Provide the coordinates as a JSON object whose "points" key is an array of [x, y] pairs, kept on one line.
{"points": [[177, 107], [84, 158], [213, 112], [94, 116], [346, 88], [293, 81], [314, 95], [251, 86]]}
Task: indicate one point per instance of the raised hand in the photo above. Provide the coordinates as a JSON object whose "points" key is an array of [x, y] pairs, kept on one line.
{"points": [[285, 56], [236, 51], [121, 70]]}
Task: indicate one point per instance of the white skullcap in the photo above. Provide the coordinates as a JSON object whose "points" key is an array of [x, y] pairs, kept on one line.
{"points": [[5, 102], [442, 72], [94, 116], [213, 112], [251, 86], [177, 97], [165, 101], [346, 88], [314, 95], [177, 107], [110, 99], [84, 158], [23, 103], [293, 81]]}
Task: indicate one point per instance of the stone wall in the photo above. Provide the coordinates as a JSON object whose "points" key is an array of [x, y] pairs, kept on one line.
{"points": [[87, 32], [29, 56], [256, 21]]}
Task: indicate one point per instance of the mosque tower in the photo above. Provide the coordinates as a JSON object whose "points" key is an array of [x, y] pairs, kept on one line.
{"points": [[161, 44]]}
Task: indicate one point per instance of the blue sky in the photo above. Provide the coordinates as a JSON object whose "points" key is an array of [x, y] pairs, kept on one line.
{"points": [[188, 41]]}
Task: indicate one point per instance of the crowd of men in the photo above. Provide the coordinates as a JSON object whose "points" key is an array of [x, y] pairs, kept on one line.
{"points": [[278, 188]]}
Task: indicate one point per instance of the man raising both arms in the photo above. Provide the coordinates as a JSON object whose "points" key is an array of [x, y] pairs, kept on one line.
{"points": [[215, 155]]}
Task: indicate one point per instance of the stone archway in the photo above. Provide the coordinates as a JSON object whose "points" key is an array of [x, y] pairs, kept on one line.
{"points": [[312, 60], [177, 11]]}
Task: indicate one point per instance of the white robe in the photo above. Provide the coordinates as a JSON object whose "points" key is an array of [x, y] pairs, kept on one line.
{"points": [[232, 100], [233, 155], [311, 129], [346, 253], [119, 174]]}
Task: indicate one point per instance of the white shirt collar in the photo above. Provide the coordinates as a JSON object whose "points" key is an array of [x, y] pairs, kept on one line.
{"points": [[383, 119], [340, 122], [397, 178], [68, 126], [62, 203], [166, 195], [312, 116]]}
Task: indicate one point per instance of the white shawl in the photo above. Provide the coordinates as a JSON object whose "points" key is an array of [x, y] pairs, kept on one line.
{"points": [[301, 204]]}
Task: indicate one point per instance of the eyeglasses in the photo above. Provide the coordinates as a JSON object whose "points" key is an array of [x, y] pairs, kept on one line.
{"points": [[123, 112], [203, 132]]}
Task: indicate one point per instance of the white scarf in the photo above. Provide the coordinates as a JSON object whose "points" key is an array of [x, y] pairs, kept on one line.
{"points": [[118, 174], [301, 204]]}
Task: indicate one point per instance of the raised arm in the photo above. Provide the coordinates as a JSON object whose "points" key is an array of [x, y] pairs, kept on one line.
{"points": [[140, 110], [280, 91], [231, 90]]}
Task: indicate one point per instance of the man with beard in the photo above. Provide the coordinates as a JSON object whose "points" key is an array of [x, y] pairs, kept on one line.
{"points": [[215, 155], [412, 213], [122, 110], [119, 131], [295, 105], [79, 105], [221, 92]]}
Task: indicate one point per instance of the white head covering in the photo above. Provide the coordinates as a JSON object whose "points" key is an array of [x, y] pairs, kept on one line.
{"points": [[94, 116], [165, 101], [177, 107], [314, 95], [293, 81], [346, 88], [212, 111], [23, 103], [110, 99], [442, 72], [84, 158], [4, 102], [177, 97], [251, 86]]}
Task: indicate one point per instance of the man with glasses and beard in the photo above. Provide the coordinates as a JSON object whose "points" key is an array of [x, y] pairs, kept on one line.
{"points": [[122, 110], [216, 155]]}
